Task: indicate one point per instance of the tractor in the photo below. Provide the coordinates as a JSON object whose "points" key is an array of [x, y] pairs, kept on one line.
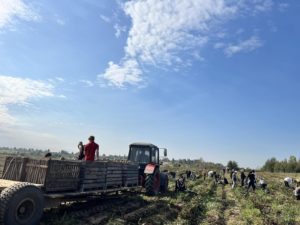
{"points": [[146, 155]]}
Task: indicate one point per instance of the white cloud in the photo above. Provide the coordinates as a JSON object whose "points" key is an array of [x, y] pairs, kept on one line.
{"points": [[119, 30], [165, 33], [105, 18], [15, 90], [219, 45], [88, 83], [128, 72], [243, 46], [283, 6], [12, 10], [59, 20], [5, 117], [262, 5], [60, 79]]}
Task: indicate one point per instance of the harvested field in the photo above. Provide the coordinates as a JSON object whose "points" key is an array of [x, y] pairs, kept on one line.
{"points": [[203, 203]]}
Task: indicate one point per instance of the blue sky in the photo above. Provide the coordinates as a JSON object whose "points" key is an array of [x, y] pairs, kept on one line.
{"points": [[216, 79]]}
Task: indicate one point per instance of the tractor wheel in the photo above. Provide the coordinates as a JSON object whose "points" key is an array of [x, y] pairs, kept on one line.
{"points": [[21, 204], [164, 182], [152, 183]]}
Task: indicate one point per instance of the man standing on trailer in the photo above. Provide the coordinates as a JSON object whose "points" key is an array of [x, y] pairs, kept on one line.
{"points": [[91, 149]]}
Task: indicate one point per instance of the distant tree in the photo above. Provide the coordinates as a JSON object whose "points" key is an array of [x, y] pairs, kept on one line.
{"points": [[232, 165], [270, 165], [292, 165]]}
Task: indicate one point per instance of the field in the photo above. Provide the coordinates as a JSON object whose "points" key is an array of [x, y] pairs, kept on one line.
{"points": [[203, 203]]}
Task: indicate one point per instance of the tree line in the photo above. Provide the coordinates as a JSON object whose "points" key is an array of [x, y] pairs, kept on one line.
{"points": [[291, 165]]}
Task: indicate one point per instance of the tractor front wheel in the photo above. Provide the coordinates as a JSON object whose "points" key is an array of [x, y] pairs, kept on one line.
{"points": [[152, 183]]}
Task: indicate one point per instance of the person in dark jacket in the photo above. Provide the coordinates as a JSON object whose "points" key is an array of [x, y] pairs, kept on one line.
{"points": [[297, 193], [251, 180], [243, 177], [81, 151], [180, 184]]}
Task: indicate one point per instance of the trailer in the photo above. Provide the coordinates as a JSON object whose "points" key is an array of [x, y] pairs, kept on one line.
{"points": [[29, 185]]}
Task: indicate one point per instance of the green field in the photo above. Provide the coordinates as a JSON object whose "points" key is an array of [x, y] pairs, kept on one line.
{"points": [[204, 203]]}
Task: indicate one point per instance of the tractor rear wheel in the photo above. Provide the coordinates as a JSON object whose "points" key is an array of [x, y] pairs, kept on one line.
{"points": [[152, 183], [164, 182], [21, 204]]}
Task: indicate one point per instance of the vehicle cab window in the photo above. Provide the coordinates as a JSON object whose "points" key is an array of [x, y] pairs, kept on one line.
{"points": [[155, 156]]}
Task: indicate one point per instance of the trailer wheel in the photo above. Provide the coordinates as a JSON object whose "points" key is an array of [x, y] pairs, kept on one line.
{"points": [[21, 204], [152, 183]]}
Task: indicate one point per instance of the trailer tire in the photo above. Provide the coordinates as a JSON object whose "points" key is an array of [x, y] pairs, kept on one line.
{"points": [[21, 204], [152, 183]]}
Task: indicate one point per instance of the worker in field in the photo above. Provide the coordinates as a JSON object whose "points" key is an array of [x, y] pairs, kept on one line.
{"points": [[81, 151], [231, 173], [188, 174], [204, 174], [297, 192], [180, 184], [243, 177], [225, 181], [234, 179], [91, 149], [262, 183], [210, 173], [217, 177], [251, 180], [288, 181]]}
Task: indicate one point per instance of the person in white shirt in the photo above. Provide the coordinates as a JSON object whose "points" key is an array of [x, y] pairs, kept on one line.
{"points": [[234, 179], [262, 183], [288, 181]]}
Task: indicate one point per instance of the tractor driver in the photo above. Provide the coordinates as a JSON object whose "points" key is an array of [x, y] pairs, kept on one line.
{"points": [[91, 149]]}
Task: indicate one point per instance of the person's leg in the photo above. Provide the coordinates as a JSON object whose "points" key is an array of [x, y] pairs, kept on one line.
{"points": [[253, 186]]}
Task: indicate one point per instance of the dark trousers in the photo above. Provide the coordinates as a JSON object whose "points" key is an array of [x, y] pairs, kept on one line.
{"points": [[242, 182], [251, 184]]}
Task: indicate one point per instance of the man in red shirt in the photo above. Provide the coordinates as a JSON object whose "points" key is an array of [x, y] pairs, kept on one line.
{"points": [[90, 149]]}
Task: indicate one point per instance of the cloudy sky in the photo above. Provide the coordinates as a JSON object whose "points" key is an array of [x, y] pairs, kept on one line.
{"points": [[217, 79]]}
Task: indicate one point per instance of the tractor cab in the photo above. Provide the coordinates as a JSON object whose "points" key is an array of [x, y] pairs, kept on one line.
{"points": [[146, 155], [143, 154]]}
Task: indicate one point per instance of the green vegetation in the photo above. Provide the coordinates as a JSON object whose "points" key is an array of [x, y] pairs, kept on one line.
{"points": [[292, 165]]}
